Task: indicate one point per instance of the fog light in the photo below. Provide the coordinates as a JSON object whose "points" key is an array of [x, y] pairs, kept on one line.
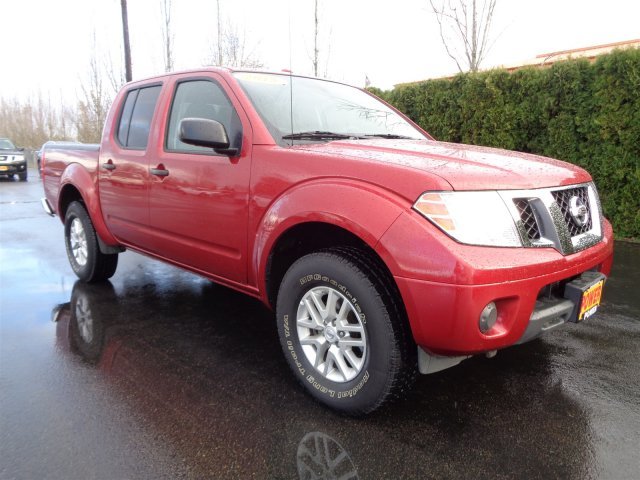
{"points": [[488, 317]]}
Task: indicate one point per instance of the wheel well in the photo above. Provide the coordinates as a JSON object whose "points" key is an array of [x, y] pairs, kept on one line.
{"points": [[306, 238], [69, 194]]}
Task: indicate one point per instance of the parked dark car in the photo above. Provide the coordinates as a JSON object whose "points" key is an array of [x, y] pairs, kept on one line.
{"points": [[12, 161]]}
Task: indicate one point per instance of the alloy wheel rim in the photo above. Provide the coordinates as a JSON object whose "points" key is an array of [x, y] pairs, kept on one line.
{"points": [[78, 242], [331, 333]]}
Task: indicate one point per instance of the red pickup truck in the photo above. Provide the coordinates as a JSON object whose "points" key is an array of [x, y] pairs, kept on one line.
{"points": [[382, 251]]}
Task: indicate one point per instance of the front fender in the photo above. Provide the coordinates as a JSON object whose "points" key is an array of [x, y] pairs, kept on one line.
{"points": [[77, 177], [364, 210]]}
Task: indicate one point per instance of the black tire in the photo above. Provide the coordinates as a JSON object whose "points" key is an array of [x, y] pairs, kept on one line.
{"points": [[23, 176], [389, 366], [98, 266]]}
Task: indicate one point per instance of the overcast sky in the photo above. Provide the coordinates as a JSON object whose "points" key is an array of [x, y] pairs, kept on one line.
{"points": [[47, 45]]}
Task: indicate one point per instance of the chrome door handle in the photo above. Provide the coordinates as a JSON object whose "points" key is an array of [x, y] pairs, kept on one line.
{"points": [[159, 172], [109, 165]]}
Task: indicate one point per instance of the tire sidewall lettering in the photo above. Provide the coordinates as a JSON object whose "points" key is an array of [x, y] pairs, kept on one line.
{"points": [[344, 290], [309, 375]]}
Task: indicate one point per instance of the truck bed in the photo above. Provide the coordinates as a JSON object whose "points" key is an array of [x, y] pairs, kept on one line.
{"points": [[57, 164]]}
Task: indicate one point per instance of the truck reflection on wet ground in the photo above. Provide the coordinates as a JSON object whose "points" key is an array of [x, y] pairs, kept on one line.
{"points": [[210, 380]]}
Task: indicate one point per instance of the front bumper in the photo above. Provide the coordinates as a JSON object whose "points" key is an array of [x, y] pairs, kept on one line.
{"points": [[12, 168], [548, 313], [444, 315]]}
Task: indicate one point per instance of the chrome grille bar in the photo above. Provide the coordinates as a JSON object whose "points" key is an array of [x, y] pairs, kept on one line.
{"points": [[568, 219]]}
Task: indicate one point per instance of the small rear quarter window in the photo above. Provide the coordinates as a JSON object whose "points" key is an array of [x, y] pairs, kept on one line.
{"points": [[136, 117], [125, 117], [141, 117]]}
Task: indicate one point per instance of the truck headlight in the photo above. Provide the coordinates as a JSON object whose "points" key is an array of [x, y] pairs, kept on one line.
{"points": [[17, 158], [475, 218]]}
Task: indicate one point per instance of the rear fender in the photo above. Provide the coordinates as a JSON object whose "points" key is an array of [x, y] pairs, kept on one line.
{"points": [[364, 210], [76, 176]]}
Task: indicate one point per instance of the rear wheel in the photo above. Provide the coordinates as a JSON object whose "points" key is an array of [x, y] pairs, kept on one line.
{"points": [[85, 257], [343, 330]]}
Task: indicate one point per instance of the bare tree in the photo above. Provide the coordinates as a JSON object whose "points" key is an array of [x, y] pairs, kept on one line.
{"points": [[65, 128], [315, 39], [231, 50], [317, 55], [328, 55], [465, 29], [230, 47], [115, 76], [17, 122], [219, 44], [93, 106], [31, 122], [167, 34], [125, 37]]}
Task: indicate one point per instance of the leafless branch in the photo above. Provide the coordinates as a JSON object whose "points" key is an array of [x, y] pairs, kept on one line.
{"points": [[465, 27], [231, 48], [315, 38], [94, 102], [167, 34]]}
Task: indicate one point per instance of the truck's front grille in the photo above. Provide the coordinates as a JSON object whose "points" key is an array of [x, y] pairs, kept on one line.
{"points": [[528, 218], [565, 218], [563, 199]]}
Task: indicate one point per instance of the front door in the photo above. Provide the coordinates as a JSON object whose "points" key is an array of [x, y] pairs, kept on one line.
{"points": [[198, 199]]}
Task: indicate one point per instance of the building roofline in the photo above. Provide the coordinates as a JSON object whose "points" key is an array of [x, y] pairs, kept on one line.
{"points": [[586, 49]]}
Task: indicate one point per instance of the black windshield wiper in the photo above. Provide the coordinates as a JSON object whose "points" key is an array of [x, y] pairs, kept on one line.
{"points": [[392, 136], [316, 135]]}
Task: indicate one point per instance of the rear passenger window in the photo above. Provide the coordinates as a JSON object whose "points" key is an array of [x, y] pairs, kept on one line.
{"points": [[137, 113]]}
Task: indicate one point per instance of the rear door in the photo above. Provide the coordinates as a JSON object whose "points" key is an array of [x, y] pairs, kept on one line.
{"points": [[124, 167], [198, 199]]}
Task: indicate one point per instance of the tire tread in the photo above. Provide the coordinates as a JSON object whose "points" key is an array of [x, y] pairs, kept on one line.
{"points": [[405, 358], [104, 265]]}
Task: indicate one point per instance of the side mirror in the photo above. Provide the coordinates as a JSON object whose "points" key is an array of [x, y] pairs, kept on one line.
{"points": [[203, 132], [21, 149]]}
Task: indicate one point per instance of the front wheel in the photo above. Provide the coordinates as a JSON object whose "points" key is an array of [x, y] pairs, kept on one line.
{"points": [[85, 257], [23, 176], [343, 330]]}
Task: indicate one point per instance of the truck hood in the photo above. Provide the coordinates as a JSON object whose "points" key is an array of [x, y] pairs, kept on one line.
{"points": [[464, 167]]}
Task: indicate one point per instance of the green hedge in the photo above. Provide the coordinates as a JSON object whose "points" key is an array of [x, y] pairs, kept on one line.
{"points": [[584, 113]]}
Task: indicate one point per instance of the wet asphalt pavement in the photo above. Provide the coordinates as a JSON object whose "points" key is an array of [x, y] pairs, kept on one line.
{"points": [[162, 374]]}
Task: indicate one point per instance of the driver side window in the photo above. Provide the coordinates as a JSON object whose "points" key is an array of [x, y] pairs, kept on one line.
{"points": [[202, 99]]}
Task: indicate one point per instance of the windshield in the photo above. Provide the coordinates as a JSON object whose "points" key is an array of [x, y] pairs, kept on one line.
{"points": [[6, 144], [322, 110]]}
